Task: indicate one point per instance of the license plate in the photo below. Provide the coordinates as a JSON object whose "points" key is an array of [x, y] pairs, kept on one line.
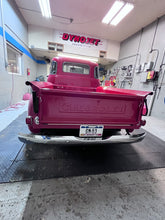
{"points": [[91, 130]]}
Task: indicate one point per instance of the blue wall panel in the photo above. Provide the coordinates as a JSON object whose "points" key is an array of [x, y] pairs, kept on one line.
{"points": [[15, 43]]}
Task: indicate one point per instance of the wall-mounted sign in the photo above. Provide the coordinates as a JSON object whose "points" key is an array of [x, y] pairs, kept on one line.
{"points": [[80, 39]]}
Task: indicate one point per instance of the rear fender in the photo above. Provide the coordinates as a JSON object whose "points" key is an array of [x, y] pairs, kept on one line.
{"points": [[31, 116], [36, 86]]}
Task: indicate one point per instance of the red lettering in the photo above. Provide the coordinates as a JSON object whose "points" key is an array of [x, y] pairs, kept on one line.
{"points": [[65, 36], [71, 37], [92, 41], [88, 40], [97, 41], [77, 39], [82, 39]]}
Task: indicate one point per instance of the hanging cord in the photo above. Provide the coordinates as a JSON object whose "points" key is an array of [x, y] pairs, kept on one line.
{"points": [[156, 57], [141, 33], [159, 85], [155, 81], [153, 40]]}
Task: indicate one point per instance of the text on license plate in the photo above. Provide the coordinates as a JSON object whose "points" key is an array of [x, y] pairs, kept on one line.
{"points": [[91, 130]]}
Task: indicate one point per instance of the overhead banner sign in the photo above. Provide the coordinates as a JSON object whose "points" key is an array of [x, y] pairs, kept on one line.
{"points": [[80, 39]]}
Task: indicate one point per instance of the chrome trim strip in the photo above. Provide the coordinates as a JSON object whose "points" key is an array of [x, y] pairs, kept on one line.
{"points": [[90, 124]]}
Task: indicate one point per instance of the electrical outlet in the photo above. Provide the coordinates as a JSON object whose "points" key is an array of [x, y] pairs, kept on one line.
{"points": [[149, 66]]}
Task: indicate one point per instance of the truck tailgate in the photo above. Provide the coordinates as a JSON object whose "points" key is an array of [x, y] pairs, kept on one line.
{"points": [[66, 109]]}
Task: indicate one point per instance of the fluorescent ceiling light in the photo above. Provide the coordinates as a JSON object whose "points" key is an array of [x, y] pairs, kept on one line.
{"points": [[113, 11], [45, 8], [124, 11]]}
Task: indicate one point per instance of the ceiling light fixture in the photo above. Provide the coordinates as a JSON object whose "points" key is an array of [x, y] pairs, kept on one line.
{"points": [[113, 11], [45, 8], [117, 12], [123, 12]]}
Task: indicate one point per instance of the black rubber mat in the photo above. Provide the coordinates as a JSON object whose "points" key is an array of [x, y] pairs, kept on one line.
{"points": [[20, 162]]}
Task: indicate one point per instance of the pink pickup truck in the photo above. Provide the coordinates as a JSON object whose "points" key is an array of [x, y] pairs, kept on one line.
{"points": [[72, 103]]}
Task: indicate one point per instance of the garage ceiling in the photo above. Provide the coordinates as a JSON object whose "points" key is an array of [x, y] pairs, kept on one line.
{"points": [[87, 16]]}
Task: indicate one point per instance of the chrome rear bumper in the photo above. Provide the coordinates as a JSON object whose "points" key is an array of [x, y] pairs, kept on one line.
{"points": [[43, 139]]}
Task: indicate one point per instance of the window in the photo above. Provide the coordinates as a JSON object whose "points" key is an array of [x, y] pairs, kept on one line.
{"points": [[53, 67], [14, 60], [75, 68], [55, 46], [96, 73], [102, 54]]}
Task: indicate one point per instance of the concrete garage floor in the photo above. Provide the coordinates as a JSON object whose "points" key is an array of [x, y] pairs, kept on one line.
{"points": [[131, 195]]}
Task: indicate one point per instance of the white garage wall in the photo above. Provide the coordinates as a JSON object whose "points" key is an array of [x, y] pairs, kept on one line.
{"points": [[35, 33], [13, 87], [42, 70], [129, 48], [52, 35]]}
